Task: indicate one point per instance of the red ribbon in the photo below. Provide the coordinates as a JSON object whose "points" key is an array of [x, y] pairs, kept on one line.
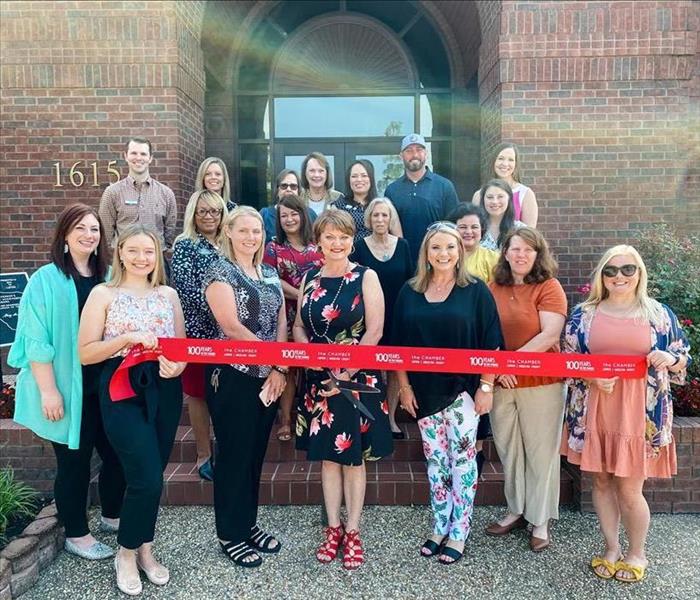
{"points": [[385, 358]]}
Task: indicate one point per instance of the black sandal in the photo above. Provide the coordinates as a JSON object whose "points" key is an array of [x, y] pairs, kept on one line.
{"points": [[432, 547], [238, 553], [262, 541], [455, 555]]}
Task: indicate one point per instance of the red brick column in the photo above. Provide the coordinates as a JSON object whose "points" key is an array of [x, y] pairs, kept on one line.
{"points": [[599, 97], [76, 79]]}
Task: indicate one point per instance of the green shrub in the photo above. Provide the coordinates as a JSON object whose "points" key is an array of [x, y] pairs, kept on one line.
{"points": [[673, 264], [16, 499]]}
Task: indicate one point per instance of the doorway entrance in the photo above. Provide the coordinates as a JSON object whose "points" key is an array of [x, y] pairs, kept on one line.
{"points": [[383, 156]]}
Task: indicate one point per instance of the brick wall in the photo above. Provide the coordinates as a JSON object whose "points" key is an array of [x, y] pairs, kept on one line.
{"points": [[681, 494], [599, 97], [76, 79]]}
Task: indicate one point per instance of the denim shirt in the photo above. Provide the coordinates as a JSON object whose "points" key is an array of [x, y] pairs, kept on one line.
{"points": [[666, 336]]}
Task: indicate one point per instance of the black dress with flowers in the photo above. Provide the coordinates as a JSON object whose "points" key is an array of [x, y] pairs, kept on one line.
{"points": [[331, 428]]}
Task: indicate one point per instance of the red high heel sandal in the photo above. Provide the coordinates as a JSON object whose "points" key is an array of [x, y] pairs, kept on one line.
{"points": [[353, 554], [329, 549]]}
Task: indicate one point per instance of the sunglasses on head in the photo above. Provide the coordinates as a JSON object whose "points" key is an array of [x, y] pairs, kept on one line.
{"points": [[441, 224], [288, 186], [626, 270]]}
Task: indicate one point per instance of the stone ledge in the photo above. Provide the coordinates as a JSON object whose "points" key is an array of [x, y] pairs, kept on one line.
{"points": [[23, 559]]}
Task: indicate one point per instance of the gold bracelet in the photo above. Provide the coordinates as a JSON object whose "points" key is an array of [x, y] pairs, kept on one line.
{"points": [[405, 387], [491, 383]]}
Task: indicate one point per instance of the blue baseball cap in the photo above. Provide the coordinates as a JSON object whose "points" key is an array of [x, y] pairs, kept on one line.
{"points": [[412, 138]]}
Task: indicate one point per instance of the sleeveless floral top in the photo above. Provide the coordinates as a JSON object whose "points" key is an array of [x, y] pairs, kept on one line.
{"points": [[152, 312]]}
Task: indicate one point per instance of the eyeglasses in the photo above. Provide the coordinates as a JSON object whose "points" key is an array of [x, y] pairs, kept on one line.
{"points": [[441, 224], [626, 270], [203, 212], [288, 186]]}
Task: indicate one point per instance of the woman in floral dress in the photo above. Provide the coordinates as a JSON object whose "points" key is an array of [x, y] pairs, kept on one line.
{"points": [[341, 303], [291, 253], [620, 430]]}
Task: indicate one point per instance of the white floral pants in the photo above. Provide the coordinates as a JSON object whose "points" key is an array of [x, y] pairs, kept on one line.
{"points": [[449, 439]]}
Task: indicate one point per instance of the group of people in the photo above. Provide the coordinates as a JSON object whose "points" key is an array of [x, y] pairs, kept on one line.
{"points": [[413, 268]]}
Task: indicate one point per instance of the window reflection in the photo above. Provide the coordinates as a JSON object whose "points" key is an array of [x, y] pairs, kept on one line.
{"points": [[362, 116]]}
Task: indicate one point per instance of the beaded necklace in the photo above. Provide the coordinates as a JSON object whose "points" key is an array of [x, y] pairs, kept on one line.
{"points": [[335, 298]]}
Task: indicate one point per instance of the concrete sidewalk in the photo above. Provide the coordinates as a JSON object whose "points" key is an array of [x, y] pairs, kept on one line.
{"points": [[491, 567]]}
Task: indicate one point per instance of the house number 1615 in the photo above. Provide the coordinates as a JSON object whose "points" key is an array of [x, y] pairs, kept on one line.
{"points": [[77, 178]]}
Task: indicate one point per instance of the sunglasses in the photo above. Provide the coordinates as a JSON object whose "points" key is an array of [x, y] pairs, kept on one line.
{"points": [[203, 212], [288, 186], [441, 224], [626, 270]]}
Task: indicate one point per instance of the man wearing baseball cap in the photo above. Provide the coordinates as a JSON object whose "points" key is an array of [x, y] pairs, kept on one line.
{"points": [[420, 196]]}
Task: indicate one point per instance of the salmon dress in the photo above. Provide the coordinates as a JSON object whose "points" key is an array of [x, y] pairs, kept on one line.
{"points": [[615, 423]]}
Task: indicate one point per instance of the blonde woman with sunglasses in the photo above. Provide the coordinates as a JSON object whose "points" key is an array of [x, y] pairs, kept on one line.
{"points": [[620, 429]]}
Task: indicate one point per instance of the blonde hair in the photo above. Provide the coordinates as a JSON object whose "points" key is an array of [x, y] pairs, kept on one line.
{"points": [[393, 215], [224, 242], [213, 200], [155, 277], [199, 180], [648, 309], [424, 271]]}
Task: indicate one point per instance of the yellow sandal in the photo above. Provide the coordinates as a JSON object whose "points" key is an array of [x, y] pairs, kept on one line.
{"points": [[638, 572], [610, 567]]}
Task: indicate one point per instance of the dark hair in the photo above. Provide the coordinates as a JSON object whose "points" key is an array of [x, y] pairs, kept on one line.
{"points": [[369, 167], [496, 151], [324, 163], [293, 202], [280, 176], [465, 209], [508, 219], [139, 140], [67, 221], [545, 266]]}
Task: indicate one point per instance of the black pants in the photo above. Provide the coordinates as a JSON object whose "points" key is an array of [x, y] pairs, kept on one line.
{"points": [[73, 473], [142, 431], [242, 427]]}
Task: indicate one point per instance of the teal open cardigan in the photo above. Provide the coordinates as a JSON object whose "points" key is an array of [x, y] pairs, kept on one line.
{"points": [[47, 332]]}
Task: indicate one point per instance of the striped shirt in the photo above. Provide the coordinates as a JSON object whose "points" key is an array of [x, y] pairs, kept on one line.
{"points": [[152, 204]]}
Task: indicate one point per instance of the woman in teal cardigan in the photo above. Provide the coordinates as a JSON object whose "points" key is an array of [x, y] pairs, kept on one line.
{"points": [[57, 398]]}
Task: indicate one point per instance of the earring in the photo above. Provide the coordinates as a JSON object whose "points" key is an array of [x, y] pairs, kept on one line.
{"points": [[96, 247], [430, 267], [65, 248]]}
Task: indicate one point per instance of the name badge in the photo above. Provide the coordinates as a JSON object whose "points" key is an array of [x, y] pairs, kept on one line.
{"points": [[131, 201]]}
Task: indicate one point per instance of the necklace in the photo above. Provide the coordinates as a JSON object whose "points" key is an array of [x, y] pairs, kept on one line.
{"points": [[444, 286], [332, 305], [383, 249]]}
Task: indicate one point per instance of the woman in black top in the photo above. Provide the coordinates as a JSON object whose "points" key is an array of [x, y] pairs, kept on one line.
{"points": [[444, 307], [390, 257], [246, 302]]}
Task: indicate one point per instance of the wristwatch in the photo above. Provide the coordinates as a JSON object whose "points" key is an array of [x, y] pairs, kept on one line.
{"points": [[486, 387]]}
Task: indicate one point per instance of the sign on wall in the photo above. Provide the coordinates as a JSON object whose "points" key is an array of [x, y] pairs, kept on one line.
{"points": [[11, 287]]}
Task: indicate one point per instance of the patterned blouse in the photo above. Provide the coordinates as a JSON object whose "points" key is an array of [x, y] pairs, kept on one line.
{"points": [[291, 265], [491, 243], [152, 312], [191, 259], [666, 336], [357, 212], [258, 303]]}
